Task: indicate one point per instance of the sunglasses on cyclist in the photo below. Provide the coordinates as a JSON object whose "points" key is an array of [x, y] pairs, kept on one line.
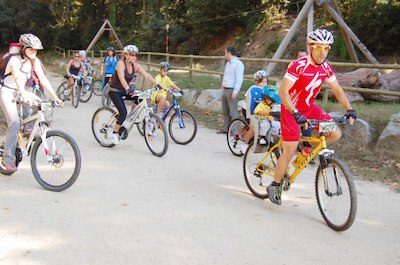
{"points": [[76, 56], [133, 54], [320, 48]]}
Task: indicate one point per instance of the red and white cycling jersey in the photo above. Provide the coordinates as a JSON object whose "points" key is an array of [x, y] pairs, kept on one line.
{"points": [[308, 80]]}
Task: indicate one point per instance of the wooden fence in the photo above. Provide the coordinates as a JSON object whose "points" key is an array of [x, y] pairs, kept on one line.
{"points": [[190, 67]]}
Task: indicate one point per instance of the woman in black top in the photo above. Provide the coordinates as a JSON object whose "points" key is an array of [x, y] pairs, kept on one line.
{"points": [[73, 68], [125, 72]]}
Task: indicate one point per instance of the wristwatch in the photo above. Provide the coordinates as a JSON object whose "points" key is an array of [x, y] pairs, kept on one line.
{"points": [[295, 111]]}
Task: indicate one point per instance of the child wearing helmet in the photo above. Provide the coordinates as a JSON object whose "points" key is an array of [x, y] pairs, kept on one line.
{"points": [[252, 95], [159, 97], [263, 109]]}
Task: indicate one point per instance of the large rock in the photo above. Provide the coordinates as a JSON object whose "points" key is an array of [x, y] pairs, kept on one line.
{"points": [[210, 99], [189, 98], [359, 135], [389, 140]]}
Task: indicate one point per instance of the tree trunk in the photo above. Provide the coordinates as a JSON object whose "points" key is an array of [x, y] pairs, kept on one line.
{"points": [[371, 79]]}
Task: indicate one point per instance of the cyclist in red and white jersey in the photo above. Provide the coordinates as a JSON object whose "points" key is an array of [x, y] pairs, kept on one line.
{"points": [[300, 86]]}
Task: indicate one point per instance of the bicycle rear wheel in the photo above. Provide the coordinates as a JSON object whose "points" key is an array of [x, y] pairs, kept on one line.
{"points": [[336, 194], [103, 123], [75, 95], [155, 135], [85, 93], [97, 87], [258, 176], [235, 136], [62, 91], [182, 127], [57, 168]]}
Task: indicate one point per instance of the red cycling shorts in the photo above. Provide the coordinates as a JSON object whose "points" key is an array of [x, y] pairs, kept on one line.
{"points": [[290, 129]]}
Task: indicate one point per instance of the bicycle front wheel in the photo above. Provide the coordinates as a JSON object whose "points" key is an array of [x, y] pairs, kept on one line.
{"points": [[336, 194], [75, 95], [155, 135], [56, 165], [259, 175], [182, 127], [62, 91], [235, 136], [85, 93], [103, 123], [97, 87]]}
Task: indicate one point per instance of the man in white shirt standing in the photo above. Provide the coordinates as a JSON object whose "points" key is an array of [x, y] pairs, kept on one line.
{"points": [[231, 84]]}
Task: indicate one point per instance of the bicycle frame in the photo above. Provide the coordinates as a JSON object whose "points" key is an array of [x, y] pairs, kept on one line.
{"points": [[319, 148]]}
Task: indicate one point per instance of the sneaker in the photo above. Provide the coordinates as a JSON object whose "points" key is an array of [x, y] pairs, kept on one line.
{"points": [[244, 148], [274, 193], [115, 138], [9, 166]]}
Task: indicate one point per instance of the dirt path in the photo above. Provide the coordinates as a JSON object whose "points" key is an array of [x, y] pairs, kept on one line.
{"points": [[189, 207]]}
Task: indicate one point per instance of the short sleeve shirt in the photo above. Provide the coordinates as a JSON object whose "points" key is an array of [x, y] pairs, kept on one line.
{"points": [[262, 106], [308, 80]]}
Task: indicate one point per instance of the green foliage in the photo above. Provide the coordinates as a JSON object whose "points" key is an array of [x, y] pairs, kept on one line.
{"points": [[375, 23], [74, 23]]}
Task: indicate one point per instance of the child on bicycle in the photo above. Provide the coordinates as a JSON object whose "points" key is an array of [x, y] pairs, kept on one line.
{"points": [[261, 80], [264, 109], [159, 97]]}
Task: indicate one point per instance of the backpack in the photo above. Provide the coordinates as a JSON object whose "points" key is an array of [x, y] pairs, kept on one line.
{"points": [[3, 65]]}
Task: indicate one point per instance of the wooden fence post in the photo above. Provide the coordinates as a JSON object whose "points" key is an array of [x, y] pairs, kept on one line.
{"points": [[148, 61], [222, 68], [191, 66]]}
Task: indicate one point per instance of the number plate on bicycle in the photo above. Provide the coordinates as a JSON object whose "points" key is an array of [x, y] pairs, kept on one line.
{"points": [[44, 106], [328, 126]]}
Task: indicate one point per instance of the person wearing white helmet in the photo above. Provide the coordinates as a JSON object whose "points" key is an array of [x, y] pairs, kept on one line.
{"points": [[86, 62], [159, 97], [18, 70], [300, 86], [260, 81], [126, 71]]}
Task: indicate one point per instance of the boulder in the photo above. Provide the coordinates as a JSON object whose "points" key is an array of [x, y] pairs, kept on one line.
{"points": [[359, 135], [210, 99], [389, 141], [189, 98]]}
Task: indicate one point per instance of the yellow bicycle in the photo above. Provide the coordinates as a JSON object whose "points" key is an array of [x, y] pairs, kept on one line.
{"points": [[334, 185]]}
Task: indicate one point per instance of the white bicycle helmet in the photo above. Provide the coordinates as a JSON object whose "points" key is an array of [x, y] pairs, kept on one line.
{"points": [[260, 75], [131, 48], [320, 36], [165, 66], [29, 40], [82, 52]]}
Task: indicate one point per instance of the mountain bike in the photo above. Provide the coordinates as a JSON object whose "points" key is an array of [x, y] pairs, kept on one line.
{"points": [[239, 127], [334, 186], [155, 133], [55, 156], [95, 84], [182, 125], [86, 89], [64, 93]]}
